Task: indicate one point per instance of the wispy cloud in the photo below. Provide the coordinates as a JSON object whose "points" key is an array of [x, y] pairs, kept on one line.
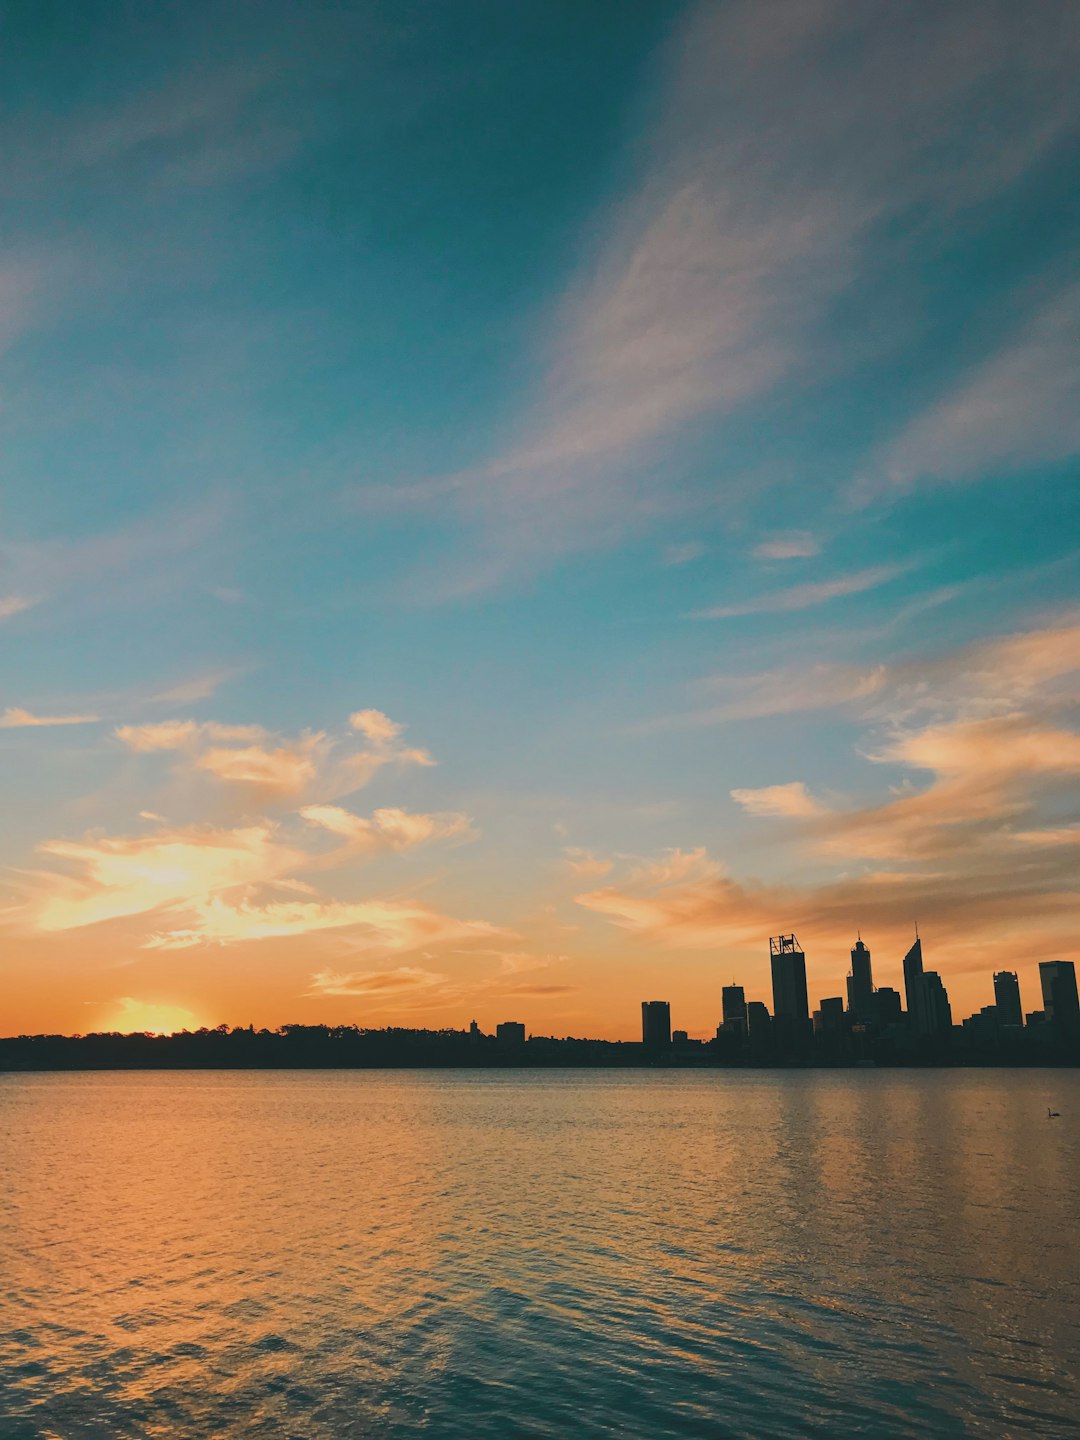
{"points": [[194, 689], [15, 719], [714, 276], [203, 884], [584, 862], [374, 982], [793, 546], [791, 799], [389, 828], [803, 597], [1019, 408], [683, 552], [134, 562], [13, 605], [989, 676], [314, 766]]}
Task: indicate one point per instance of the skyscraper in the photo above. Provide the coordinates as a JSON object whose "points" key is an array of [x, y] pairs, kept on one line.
{"points": [[860, 984], [1058, 980], [656, 1024], [1007, 998], [791, 1010], [915, 990], [938, 1009], [734, 1009]]}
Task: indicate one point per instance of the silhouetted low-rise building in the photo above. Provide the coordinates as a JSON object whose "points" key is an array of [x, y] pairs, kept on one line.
{"points": [[829, 1017], [510, 1032]]}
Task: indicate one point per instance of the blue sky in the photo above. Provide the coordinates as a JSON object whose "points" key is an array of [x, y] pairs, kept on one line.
{"points": [[666, 415]]}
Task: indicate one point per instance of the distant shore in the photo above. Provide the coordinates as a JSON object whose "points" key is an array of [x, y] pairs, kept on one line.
{"points": [[317, 1047]]}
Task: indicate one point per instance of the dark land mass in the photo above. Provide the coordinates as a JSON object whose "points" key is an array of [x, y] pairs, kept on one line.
{"points": [[348, 1047]]}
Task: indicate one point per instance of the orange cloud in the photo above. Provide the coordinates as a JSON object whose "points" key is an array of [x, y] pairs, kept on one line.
{"points": [[388, 828], [203, 884], [311, 766], [167, 870], [15, 719], [379, 924], [375, 725], [792, 799]]}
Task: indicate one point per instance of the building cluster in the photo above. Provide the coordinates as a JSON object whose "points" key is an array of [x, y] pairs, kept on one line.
{"points": [[921, 1019]]}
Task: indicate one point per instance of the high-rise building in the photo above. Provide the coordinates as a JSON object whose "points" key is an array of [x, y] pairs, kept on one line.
{"points": [[1007, 998], [938, 1009], [860, 984], [758, 1023], [888, 1009], [915, 990], [791, 1010], [929, 1012], [510, 1032], [733, 999], [1058, 980], [656, 1024]]}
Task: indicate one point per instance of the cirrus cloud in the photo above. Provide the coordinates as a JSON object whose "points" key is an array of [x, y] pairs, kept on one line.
{"points": [[15, 718]]}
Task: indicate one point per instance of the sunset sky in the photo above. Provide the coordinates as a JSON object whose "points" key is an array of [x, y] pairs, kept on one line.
{"points": [[506, 506]]}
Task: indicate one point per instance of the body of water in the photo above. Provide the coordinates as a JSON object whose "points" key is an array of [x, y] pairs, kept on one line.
{"points": [[539, 1254]]}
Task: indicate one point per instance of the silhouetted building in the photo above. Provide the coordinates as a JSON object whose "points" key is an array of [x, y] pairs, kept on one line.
{"points": [[1007, 998], [915, 990], [680, 1037], [733, 998], [510, 1032], [860, 984], [829, 1017], [937, 1003], [656, 1024], [983, 1025], [1058, 981], [888, 1009], [791, 1009], [475, 1033], [758, 1022]]}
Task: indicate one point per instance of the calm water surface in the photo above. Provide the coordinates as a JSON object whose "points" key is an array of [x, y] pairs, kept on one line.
{"points": [[330, 1255]]}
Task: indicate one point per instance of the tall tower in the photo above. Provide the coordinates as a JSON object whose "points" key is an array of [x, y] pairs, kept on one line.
{"points": [[1007, 998], [915, 990], [860, 983], [938, 1009], [1058, 981], [790, 1007], [733, 998]]}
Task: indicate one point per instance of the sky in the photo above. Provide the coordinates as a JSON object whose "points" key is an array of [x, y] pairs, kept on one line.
{"points": [[506, 507]]}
